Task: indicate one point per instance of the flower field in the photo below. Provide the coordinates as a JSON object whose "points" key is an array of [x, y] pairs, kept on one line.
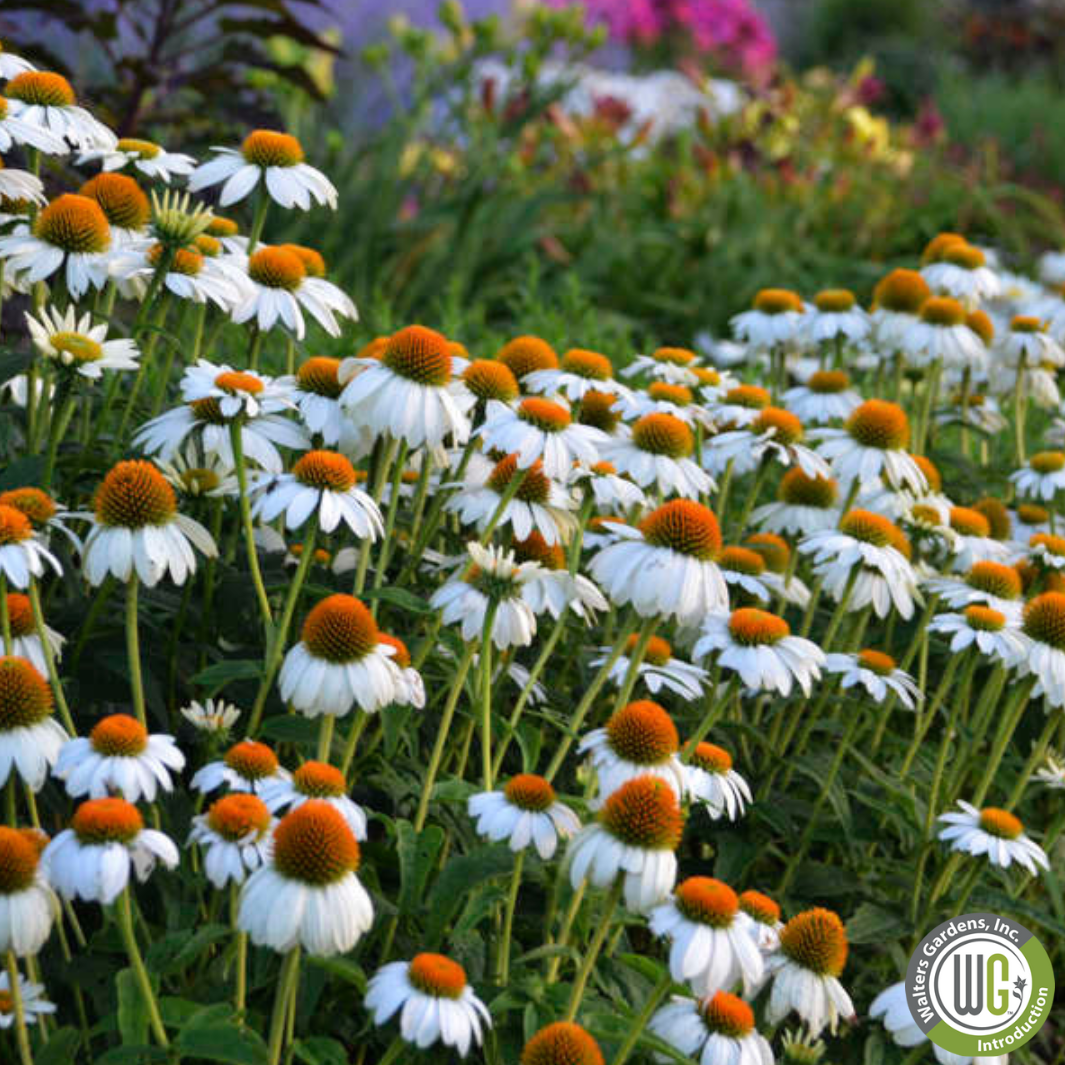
{"points": [[516, 684]]}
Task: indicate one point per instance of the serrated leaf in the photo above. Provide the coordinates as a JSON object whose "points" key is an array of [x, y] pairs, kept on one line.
{"points": [[418, 853], [458, 878], [227, 1043], [223, 673], [175, 951], [873, 924]]}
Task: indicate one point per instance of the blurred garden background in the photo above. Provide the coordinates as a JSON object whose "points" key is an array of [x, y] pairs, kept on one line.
{"points": [[639, 167]]}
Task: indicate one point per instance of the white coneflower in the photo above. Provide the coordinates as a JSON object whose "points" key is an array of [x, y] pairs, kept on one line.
{"points": [[804, 505], [1044, 625], [635, 835], [525, 812], [17, 187], [1027, 343], [762, 915], [553, 588], [269, 158], [661, 397], [740, 405], [339, 662], [656, 451], [30, 738], [759, 648], [410, 688], [668, 565], [579, 371], [1052, 774], [92, 859], [136, 527], [119, 756], [434, 1002], [246, 766], [149, 158], [611, 492], [972, 541], [539, 504], [190, 275], [307, 893], [75, 343], [774, 434], [234, 836], [71, 235], [710, 947], [12, 65], [316, 781], [1047, 551], [994, 832], [22, 553], [813, 952], [45, 99], [877, 673], [639, 739], [214, 716], [717, 1029], [200, 475], [873, 443], [34, 1005], [775, 318], [1042, 477], [27, 904], [25, 640], [125, 206], [993, 584], [658, 669], [15, 130], [675, 366], [540, 429], [825, 397], [961, 271], [562, 1043], [317, 395], [496, 580], [835, 317], [711, 780]]}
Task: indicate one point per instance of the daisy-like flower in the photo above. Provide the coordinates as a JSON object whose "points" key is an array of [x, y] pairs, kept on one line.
{"points": [[553, 588], [410, 688], [246, 766], [777, 575], [634, 835], [27, 904], [123, 203], [759, 647], [71, 235], [993, 584], [12, 65], [668, 565], [34, 1004], [526, 354], [675, 366], [1053, 772], [1028, 520], [762, 916], [825, 397], [308, 893], [562, 1043], [18, 189], [610, 492], [658, 669], [877, 673], [716, 1029], [136, 528], [961, 271], [316, 781], [119, 756], [22, 554], [1047, 552], [711, 949], [91, 859], [525, 812], [873, 443], [322, 483], [804, 505], [539, 504], [434, 1001], [408, 391], [834, 318], [711, 780], [199, 475], [661, 397], [279, 289], [488, 380], [149, 158], [14, 130], [657, 451], [540, 429], [269, 158], [77, 344], [891, 1008], [994, 832], [45, 99], [1044, 625], [1027, 343], [813, 952], [972, 540], [317, 395], [775, 319], [875, 545], [941, 333], [579, 371], [495, 578], [1042, 477], [44, 513], [339, 662], [776, 434], [740, 405], [190, 275], [30, 738], [640, 739], [25, 641], [234, 836], [212, 715]]}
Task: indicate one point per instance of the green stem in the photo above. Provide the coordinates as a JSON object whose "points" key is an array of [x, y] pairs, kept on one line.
{"points": [[485, 694], [715, 707], [286, 981], [639, 1023], [124, 914], [325, 736], [508, 919], [357, 726], [240, 983], [923, 719], [1039, 752], [596, 945], [133, 650], [1011, 718], [55, 436], [22, 1036], [237, 443], [49, 655], [397, 1047], [5, 617], [262, 207]]}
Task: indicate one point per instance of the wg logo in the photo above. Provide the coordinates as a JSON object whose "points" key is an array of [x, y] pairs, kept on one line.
{"points": [[979, 985]]}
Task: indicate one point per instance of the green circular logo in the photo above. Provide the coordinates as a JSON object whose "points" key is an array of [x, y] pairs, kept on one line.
{"points": [[980, 985]]}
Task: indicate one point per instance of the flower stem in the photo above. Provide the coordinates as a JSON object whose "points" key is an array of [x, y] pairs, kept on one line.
{"points": [[923, 720], [286, 981], [262, 207], [1010, 718], [596, 945], [133, 649], [485, 693], [325, 736], [240, 983], [564, 932], [55, 435], [124, 913], [640, 1021], [237, 442], [508, 919], [22, 1036], [357, 726], [1039, 752], [5, 617]]}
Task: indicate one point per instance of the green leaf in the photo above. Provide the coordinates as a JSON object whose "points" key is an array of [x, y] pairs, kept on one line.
{"points": [[132, 1010], [349, 971], [418, 854], [222, 673], [208, 1035], [13, 363], [400, 597], [27, 470], [177, 950], [460, 876], [873, 924], [126, 1055], [319, 1050], [291, 728], [61, 1048]]}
